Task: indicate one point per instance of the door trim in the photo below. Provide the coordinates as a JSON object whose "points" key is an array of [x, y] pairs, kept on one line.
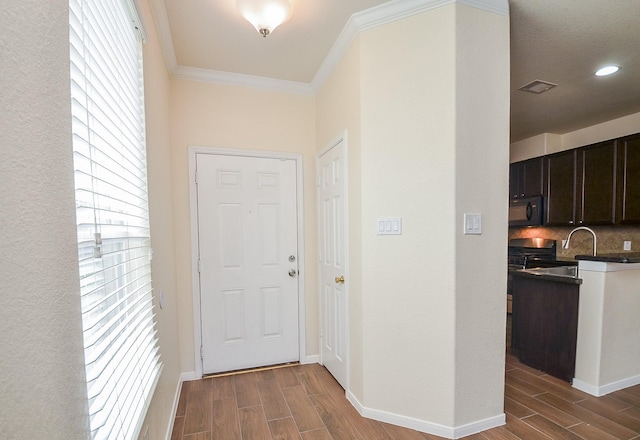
{"points": [[342, 137], [193, 150]]}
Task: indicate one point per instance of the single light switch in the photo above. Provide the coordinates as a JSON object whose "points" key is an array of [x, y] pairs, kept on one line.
{"points": [[390, 226], [472, 224]]}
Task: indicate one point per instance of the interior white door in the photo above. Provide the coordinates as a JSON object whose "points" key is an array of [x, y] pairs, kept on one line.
{"points": [[247, 238], [332, 242]]}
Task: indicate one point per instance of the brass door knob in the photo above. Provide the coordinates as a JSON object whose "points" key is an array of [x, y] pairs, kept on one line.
{"points": [[340, 279]]}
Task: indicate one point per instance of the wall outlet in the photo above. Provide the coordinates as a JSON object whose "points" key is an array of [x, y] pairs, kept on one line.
{"points": [[626, 245]]}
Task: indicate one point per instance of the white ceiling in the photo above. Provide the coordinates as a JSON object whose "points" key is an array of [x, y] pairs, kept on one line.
{"points": [[559, 41]]}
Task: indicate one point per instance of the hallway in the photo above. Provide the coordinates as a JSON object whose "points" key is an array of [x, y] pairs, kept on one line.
{"points": [[304, 402]]}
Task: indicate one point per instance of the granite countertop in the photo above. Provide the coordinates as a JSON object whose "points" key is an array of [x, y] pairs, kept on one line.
{"points": [[547, 274], [567, 261], [622, 257]]}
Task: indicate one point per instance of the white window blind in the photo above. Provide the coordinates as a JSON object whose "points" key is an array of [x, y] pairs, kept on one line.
{"points": [[121, 352]]}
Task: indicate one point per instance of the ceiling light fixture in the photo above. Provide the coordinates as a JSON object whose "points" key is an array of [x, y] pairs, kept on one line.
{"points": [[265, 15], [607, 70]]}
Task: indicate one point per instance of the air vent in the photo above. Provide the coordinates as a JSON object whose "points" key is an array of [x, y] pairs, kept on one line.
{"points": [[537, 86]]}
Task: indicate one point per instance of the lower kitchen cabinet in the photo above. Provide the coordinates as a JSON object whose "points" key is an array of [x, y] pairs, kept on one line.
{"points": [[545, 324]]}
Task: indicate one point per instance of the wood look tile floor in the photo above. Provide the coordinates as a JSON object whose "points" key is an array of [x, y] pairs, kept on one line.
{"points": [[304, 402]]}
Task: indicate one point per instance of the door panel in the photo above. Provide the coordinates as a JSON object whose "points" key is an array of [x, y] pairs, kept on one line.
{"points": [[331, 195], [247, 230]]}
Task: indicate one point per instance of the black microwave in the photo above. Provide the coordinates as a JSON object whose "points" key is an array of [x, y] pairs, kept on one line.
{"points": [[526, 211]]}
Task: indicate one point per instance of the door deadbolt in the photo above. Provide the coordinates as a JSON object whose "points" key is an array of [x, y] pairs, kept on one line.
{"points": [[293, 273], [292, 258]]}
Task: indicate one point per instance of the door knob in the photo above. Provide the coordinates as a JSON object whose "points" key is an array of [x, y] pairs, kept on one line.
{"points": [[340, 279], [292, 273]]}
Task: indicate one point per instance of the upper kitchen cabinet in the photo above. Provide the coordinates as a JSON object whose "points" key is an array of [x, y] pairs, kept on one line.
{"points": [[560, 190], [629, 179], [581, 186], [526, 178], [596, 184]]}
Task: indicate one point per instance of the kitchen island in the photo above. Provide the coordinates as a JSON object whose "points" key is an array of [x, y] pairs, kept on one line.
{"points": [[545, 319], [608, 345]]}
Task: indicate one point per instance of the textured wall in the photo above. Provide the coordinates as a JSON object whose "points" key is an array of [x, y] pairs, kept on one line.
{"points": [[42, 392], [482, 137], [216, 115], [156, 82]]}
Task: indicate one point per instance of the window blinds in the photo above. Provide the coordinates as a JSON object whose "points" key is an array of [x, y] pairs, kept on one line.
{"points": [[121, 353]]}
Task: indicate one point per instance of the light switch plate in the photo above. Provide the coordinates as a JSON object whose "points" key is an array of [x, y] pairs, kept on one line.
{"points": [[627, 245], [389, 225], [472, 224]]}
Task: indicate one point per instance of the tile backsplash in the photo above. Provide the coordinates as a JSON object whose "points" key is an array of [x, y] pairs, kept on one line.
{"points": [[610, 238]]}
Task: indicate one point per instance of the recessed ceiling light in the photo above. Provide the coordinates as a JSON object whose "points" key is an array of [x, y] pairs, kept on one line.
{"points": [[537, 86], [607, 70]]}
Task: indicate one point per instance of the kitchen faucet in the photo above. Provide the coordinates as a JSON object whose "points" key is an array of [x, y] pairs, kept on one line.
{"points": [[566, 242]]}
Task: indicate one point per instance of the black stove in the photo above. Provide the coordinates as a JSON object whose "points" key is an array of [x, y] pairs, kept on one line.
{"points": [[525, 253]]}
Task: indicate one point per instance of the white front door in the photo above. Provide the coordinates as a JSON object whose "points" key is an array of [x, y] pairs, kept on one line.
{"points": [[332, 244], [247, 243]]}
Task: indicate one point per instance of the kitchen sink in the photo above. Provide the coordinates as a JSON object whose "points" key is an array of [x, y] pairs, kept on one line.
{"points": [[558, 271]]}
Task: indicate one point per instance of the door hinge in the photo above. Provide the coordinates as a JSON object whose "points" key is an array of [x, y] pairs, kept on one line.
{"points": [[318, 179], [321, 333], [201, 352], [195, 176], [199, 266]]}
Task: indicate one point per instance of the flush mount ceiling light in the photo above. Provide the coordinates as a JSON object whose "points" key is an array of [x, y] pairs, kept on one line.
{"points": [[607, 70], [537, 86], [265, 15]]}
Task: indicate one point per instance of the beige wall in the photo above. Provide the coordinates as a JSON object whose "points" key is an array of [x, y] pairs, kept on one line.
{"points": [[408, 170], [482, 157], [42, 363], [417, 130], [338, 111], [213, 115], [156, 78], [42, 390], [607, 358]]}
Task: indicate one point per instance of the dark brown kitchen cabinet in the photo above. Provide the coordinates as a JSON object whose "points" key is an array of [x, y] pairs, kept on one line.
{"points": [[596, 184], [629, 180], [581, 186], [560, 190], [545, 325], [526, 178]]}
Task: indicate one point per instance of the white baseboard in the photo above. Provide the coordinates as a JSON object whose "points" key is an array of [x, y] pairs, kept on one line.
{"points": [[184, 377], [425, 426], [312, 359], [189, 375], [600, 391]]}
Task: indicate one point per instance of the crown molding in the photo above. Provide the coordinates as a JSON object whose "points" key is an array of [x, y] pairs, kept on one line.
{"points": [[386, 13], [241, 80], [159, 12], [380, 15]]}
